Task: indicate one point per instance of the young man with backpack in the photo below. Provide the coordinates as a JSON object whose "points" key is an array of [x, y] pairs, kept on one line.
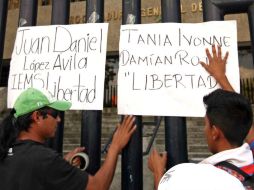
{"points": [[235, 166], [227, 122]]}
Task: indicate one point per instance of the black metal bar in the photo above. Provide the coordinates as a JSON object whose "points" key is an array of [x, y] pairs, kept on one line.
{"points": [[211, 11], [176, 140], [95, 11], [28, 12], [175, 127], [3, 18], [60, 12], [91, 120], [251, 25], [170, 10], [131, 12], [111, 94], [5, 72], [108, 95], [91, 138], [132, 162], [60, 15]]}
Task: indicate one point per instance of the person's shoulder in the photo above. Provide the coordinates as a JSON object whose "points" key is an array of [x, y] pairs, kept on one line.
{"points": [[45, 157], [44, 151], [35, 149], [194, 177]]}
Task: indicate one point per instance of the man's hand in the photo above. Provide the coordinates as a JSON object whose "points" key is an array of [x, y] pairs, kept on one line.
{"points": [[75, 162], [123, 133], [103, 178], [157, 164], [216, 67]]}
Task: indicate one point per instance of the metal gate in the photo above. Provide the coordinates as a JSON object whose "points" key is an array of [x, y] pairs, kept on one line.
{"points": [[175, 127]]}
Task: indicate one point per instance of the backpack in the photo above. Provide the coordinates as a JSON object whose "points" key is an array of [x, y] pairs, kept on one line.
{"points": [[244, 174]]}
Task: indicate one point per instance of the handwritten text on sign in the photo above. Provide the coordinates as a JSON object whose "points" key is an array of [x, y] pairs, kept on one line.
{"points": [[159, 70], [68, 61]]}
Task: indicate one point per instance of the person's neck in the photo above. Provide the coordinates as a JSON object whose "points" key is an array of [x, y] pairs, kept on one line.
{"points": [[225, 146], [24, 135]]}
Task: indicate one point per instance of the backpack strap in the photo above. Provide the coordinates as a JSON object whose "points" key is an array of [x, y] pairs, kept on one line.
{"points": [[234, 168]]}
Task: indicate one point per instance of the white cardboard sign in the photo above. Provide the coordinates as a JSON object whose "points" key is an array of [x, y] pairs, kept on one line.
{"points": [[68, 61], [159, 70]]}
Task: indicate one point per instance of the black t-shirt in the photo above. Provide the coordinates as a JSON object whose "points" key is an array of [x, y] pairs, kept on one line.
{"points": [[32, 166]]}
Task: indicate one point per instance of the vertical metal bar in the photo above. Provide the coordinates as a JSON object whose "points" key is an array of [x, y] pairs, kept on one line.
{"points": [[91, 138], [28, 12], [211, 11], [176, 140], [132, 160], [3, 18], [175, 127], [95, 11], [91, 120], [60, 12], [111, 94], [60, 15], [170, 10], [131, 12], [251, 25]]}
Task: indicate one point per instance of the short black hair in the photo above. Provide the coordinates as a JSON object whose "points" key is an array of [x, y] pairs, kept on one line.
{"points": [[231, 112]]}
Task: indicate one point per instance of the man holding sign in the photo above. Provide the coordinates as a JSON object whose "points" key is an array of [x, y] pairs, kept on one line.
{"points": [[227, 122]]}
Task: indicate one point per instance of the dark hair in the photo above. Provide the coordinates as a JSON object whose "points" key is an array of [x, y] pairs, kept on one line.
{"points": [[231, 112], [11, 127]]}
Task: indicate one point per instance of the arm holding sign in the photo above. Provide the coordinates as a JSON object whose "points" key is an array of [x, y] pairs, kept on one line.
{"points": [[217, 67]]}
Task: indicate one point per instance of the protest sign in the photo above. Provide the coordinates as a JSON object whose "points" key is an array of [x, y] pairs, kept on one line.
{"points": [[159, 70], [68, 61]]}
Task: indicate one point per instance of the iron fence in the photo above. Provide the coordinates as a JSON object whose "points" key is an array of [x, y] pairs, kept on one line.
{"points": [[247, 88], [110, 96]]}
